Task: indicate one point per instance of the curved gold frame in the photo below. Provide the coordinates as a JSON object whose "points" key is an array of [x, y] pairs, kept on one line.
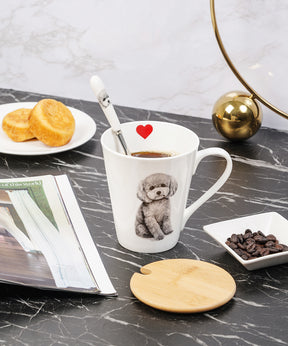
{"points": [[254, 94]]}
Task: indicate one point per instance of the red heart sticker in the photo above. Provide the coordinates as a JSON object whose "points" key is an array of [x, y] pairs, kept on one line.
{"points": [[144, 131]]}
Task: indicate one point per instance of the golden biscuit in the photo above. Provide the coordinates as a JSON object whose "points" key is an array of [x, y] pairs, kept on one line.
{"points": [[16, 125], [52, 122]]}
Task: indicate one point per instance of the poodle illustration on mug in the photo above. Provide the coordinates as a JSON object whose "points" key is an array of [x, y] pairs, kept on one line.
{"points": [[153, 216]]}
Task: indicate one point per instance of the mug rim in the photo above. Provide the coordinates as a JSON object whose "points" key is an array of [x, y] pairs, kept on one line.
{"points": [[143, 122]]}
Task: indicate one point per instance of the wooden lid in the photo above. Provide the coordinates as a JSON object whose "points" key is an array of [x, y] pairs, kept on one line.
{"points": [[183, 285]]}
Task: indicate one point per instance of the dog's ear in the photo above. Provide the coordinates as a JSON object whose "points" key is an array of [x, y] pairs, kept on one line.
{"points": [[173, 186], [141, 193]]}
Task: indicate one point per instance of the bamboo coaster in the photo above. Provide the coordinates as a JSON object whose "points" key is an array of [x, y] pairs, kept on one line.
{"points": [[183, 285]]}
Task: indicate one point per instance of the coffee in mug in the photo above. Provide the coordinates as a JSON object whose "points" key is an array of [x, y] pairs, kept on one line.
{"points": [[151, 154]]}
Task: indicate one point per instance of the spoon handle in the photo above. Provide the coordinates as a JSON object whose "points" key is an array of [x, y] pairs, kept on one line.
{"points": [[108, 109], [105, 103]]}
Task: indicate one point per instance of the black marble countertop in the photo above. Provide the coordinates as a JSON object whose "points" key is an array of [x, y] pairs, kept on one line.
{"points": [[257, 315]]}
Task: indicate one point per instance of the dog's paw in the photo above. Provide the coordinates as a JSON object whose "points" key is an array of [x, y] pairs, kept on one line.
{"points": [[159, 236], [167, 230], [142, 231]]}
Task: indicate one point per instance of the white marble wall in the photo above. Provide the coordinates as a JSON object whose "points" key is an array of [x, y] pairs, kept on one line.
{"points": [[159, 55]]}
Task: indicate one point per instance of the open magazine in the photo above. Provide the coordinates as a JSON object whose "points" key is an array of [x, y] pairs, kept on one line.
{"points": [[44, 239]]}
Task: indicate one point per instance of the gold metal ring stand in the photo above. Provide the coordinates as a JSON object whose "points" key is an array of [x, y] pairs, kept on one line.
{"points": [[230, 117]]}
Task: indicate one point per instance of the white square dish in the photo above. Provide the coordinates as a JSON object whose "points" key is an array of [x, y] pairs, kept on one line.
{"points": [[267, 223]]}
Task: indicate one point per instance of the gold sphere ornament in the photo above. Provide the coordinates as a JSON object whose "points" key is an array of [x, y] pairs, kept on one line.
{"points": [[237, 115]]}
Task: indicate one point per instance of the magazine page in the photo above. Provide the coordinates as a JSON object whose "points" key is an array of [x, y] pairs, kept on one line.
{"points": [[38, 244], [85, 240]]}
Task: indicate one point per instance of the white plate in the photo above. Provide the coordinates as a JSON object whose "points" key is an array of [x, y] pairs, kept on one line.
{"points": [[268, 223], [85, 129]]}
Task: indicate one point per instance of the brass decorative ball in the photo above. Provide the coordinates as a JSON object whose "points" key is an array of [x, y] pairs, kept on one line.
{"points": [[237, 116]]}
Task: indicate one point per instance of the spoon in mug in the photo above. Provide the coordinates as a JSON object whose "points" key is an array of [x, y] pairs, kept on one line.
{"points": [[108, 109]]}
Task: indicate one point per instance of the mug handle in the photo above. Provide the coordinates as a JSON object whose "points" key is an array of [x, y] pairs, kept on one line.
{"points": [[214, 188]]}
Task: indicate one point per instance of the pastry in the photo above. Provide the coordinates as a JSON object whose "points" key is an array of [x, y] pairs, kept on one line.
{"points": [[16, 125], [52, 122]]}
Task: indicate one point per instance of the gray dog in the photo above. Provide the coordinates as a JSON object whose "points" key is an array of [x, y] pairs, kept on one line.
{"points": [[153, 217]]}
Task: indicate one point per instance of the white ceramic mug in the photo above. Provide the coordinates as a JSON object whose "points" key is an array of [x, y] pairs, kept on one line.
{"points": [[149, 195]]}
